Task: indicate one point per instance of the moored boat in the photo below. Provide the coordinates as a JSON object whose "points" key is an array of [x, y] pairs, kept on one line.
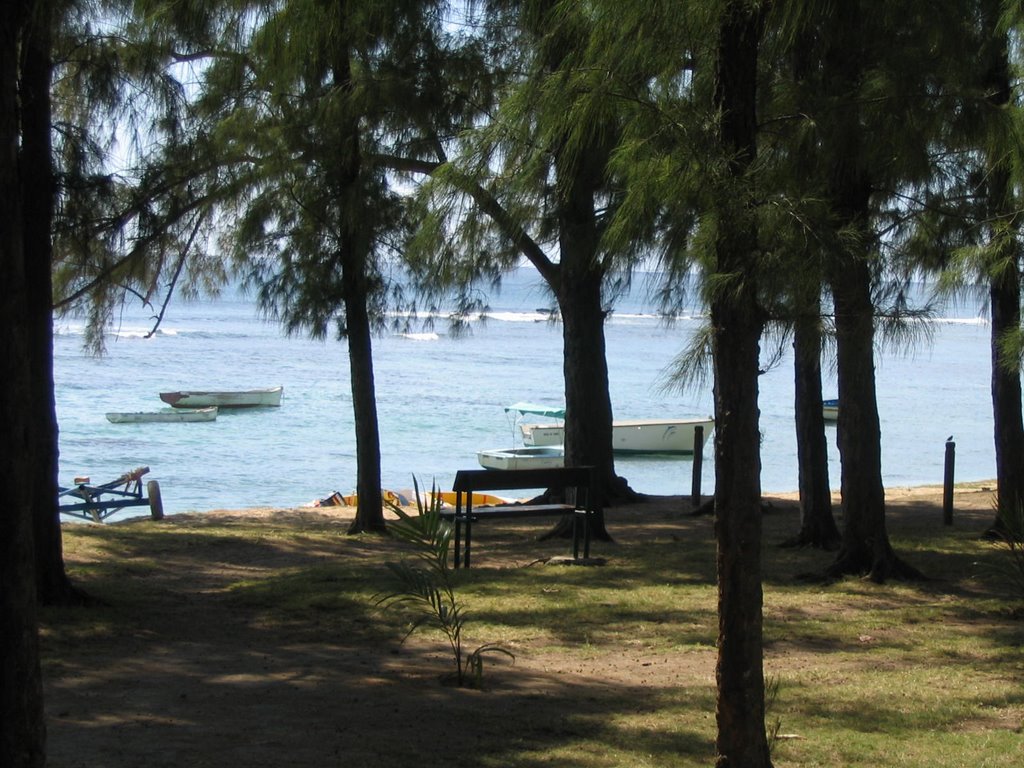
{"points": [[246, 398], [659, 435], [830, 410], [628, 435], [158, 417], [536, 457]]}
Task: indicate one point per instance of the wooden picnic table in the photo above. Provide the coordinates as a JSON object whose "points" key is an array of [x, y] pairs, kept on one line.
{"points": [[575, 484]]}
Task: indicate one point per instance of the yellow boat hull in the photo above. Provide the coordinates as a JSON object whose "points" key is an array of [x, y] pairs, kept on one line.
{"points": [[341, 500], [479, 499]]}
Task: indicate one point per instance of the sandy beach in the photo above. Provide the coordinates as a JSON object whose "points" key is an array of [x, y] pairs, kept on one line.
{"points": [[900, 501]]}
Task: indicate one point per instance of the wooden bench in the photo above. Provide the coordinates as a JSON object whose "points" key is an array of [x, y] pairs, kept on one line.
{"points": [[576, 484]]}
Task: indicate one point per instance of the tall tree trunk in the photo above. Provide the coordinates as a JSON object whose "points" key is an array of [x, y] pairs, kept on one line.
{"points": [[737, 322], [354, 248], [817, 525], [22, 725], [52, 581], [740, 672], [1004, 298], [369, 507], [577, 287], [1004, 287], [865, 548], [588, 407]]}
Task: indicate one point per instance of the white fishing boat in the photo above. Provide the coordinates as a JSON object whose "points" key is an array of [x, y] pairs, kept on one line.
{"points": [[830, 410], [537, 457], [534, 434], [246, 398], [168, 416], [628, 435], [659, 435]]}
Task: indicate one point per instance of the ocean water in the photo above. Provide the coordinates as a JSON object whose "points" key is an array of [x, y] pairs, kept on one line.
{"points": [[441, 398]]}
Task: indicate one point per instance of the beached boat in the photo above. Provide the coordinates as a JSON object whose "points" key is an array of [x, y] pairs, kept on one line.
{"points": [[830, 410], [247, 398], [338, 499], [537, 457], [158, 417], [479, 499], [628, 435]]}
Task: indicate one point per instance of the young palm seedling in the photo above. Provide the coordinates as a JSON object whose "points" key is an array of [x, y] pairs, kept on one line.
{"points": [[426, 584]]}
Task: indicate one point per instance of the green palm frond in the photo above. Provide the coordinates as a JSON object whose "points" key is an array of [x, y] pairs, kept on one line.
{"points": [[426, 585]]}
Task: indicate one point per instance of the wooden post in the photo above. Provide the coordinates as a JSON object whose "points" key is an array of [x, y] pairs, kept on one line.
{"points": [[698, 463], [947, 483]]}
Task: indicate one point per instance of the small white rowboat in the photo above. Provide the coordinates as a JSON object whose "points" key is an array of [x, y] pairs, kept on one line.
{"points": [[248, 398], [172, 416], [522, 458]]}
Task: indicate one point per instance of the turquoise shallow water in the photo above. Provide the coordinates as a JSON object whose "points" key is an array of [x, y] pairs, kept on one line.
{"points": [[441, 400]]}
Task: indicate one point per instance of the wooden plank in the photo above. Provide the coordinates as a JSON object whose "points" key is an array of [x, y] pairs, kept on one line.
{"points": [[515, 510], [508, 479]]}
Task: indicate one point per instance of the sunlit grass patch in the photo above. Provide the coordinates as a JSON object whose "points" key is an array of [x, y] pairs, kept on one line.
{"points": [[614, 662]]}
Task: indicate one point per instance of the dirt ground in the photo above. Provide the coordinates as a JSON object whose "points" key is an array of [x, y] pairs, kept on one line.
{"points": [[195, 682]]}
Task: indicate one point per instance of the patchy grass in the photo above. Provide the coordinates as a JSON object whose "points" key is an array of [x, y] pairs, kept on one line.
{"points": [[254, 641]]}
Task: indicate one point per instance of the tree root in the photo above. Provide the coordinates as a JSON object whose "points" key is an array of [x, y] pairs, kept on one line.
{"points": [[879, 569], [808, 537], [70, 596]]}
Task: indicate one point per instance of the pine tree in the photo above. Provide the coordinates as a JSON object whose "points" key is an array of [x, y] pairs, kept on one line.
{"points": [[737, 320], [999, 227], [306, 117], [78, 73], [22, 725], [532, 181], [689, 169], [874, 109], [969, 229]]}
